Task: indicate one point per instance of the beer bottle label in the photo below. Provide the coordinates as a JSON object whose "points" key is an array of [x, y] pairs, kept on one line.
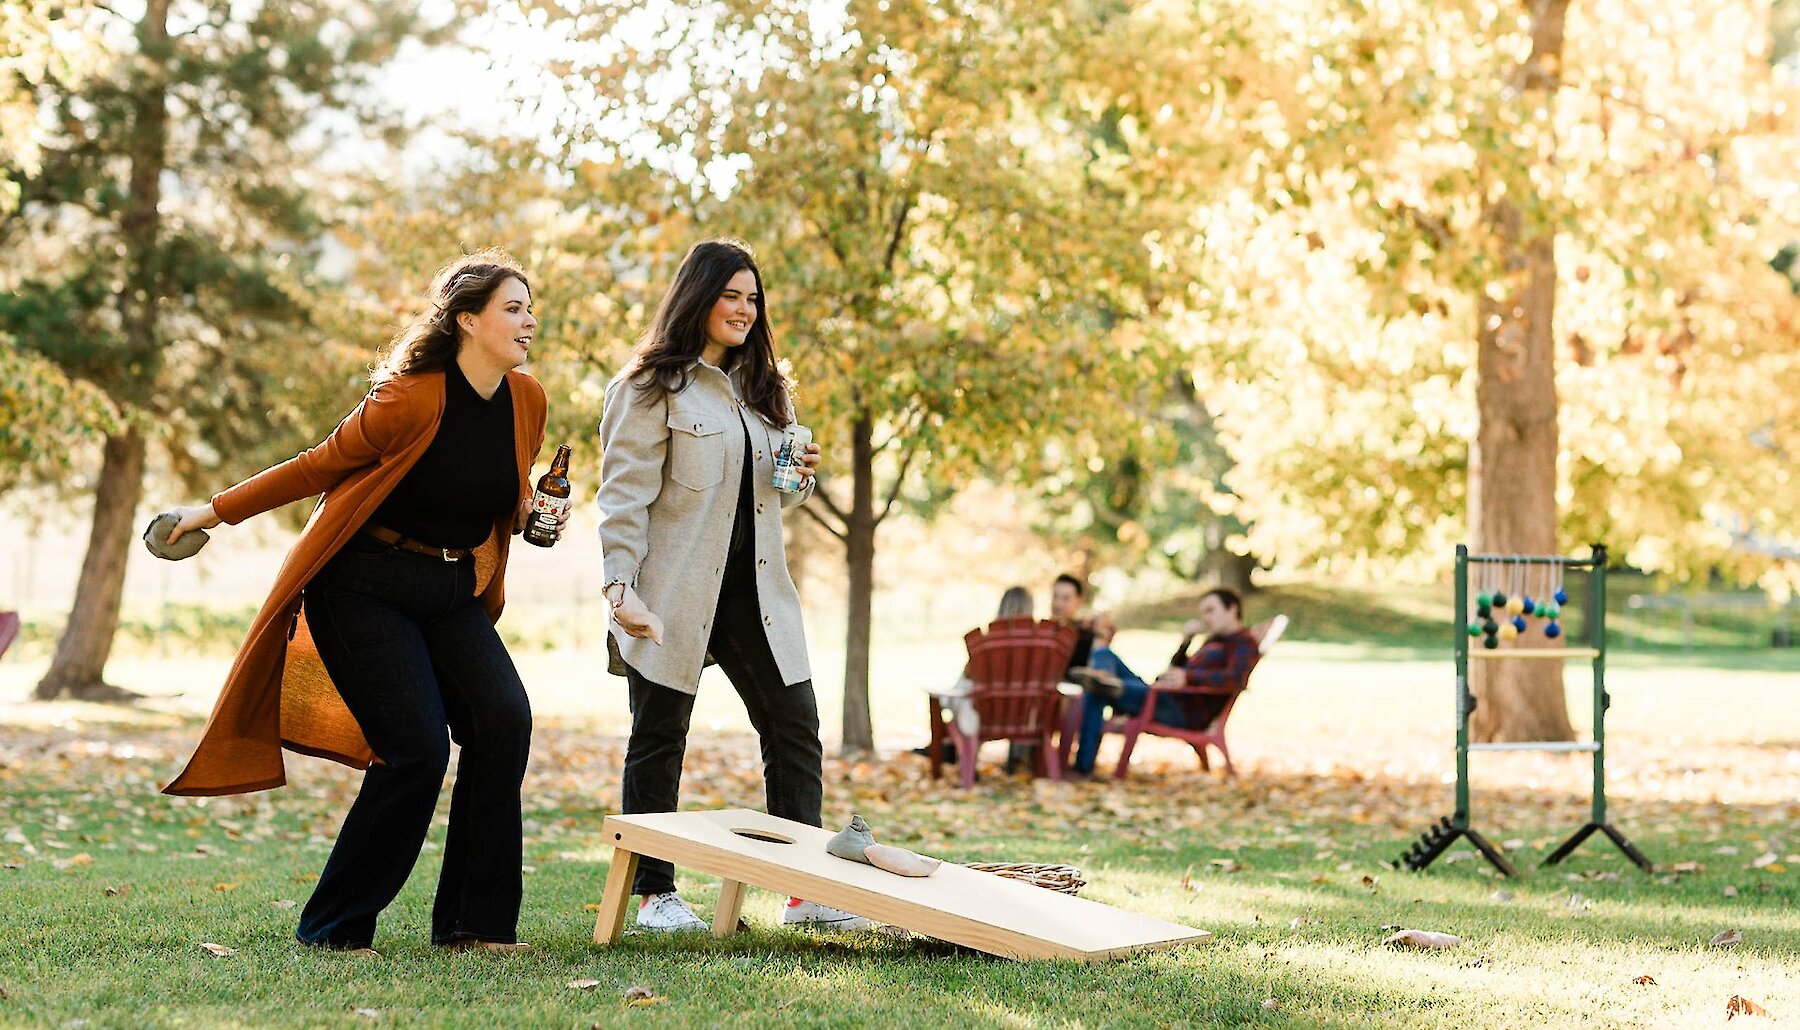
{"points": [[551, 507]]}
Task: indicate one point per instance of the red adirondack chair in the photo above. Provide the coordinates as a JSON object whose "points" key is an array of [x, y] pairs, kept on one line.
{"points": [[1135, 726], [1015, 665]]}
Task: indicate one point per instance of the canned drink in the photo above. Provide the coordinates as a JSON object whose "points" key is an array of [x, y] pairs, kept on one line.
{"points": [[787, 477]]}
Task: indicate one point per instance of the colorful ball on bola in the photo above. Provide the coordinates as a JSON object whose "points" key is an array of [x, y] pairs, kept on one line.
{"points": [[1498, 600], [1561, 596], [1527, 605], [1474, 629], [1508, 631], [1518, 623], [1515, 605], [1484, 598], [1490, 641], [1552, 630]]}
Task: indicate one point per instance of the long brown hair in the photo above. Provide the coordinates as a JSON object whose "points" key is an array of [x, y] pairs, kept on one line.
{"points": [[677, 336], [431, 340]]}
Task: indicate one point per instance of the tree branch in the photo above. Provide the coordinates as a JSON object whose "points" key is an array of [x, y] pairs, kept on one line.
{"points": [[899, 481], [812, 513], [824, 498], [914, 416]]}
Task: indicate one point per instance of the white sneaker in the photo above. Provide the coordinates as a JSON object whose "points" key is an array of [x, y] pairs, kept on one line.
{"points": [[814, 916], [667, 913]]}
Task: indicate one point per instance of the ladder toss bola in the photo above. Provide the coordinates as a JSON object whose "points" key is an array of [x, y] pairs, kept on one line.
{"points": [[1512, 589]]}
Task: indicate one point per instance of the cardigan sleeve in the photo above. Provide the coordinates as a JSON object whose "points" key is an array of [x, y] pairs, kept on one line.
{"points": [[634, 441], [373, 429]]}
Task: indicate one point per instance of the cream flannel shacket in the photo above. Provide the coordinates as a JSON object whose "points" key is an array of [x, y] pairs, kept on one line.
{"points": [[670, 471]]}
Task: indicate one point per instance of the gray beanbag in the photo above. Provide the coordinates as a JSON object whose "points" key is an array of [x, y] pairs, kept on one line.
{"points": [[156, 538]]}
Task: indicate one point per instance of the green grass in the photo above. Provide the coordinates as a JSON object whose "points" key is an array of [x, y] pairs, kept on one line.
{"points": [[1342, 760]]}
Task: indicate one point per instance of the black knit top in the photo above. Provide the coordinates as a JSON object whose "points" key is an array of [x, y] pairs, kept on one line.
{"points": [[466, 478]]}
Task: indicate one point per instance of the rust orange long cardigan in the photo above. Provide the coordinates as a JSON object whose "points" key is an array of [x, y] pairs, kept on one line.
{"points": [[278, 693]]}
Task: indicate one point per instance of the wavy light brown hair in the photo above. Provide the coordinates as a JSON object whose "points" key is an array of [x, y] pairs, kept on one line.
{"points": [[1016, 602], [677, 336], [430, 342]]}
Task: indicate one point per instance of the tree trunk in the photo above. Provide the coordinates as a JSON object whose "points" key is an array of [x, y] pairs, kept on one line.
{"points": [[1223, 568], [1512, 508], [859, 554], [87, 639]]}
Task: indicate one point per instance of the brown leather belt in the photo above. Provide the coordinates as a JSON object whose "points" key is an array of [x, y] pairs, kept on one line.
{"points": [[393, 539]]}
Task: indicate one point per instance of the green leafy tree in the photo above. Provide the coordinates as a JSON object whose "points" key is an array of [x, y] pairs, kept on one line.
{"points": [[164, 239], [956, 276], [1495, 268]]}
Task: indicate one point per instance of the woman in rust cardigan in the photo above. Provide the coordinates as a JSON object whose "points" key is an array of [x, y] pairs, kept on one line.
{"points": [[377, 645]]}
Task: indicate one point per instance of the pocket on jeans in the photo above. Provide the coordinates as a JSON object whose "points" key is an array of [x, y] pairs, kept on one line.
{"points": [[696, 450]]}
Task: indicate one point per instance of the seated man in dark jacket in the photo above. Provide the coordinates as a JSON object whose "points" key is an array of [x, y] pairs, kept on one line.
{"points": [[1224, 660]]}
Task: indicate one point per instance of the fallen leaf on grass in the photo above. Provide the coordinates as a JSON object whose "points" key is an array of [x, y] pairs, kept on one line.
{"points": [[367, 1013], [1270, 1004], [1738, 1005], [284, 903], [1730, 891], [1228, 865], [73, 861], [1644, 981], [1687, 867], [1370, 883], [638, 995], [1427, 939], [218, 949], [224, 887], [1502, 895], [582, 985], [1767, 858], [592, 906], [1727, 939], [120, 891], [1580, 903]]}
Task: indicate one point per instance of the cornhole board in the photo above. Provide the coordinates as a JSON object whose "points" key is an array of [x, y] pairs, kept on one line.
{"points": [[985, 911]]}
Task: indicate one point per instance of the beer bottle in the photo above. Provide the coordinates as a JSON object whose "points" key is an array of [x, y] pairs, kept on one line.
{"points": [[550, 503]]}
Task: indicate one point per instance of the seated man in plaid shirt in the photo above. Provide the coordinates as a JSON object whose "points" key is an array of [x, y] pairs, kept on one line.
{"points": [[1224, 660]]}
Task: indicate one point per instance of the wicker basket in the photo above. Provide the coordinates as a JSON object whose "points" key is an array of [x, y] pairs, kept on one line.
{"points": [[1065, 878]]}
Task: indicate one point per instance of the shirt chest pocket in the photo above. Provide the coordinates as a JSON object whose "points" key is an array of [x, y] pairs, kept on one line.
{"points": [[696, 450]]}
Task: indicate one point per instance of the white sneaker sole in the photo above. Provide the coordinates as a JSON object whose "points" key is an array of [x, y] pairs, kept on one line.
{"points": [[852, 924]]}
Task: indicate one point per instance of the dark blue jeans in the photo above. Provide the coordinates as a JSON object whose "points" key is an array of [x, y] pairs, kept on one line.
{"points": [[415, 658], [1131, 702], [785, 716]]}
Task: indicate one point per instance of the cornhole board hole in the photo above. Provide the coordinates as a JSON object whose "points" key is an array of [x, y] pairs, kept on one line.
{"points": [[978, 910]]}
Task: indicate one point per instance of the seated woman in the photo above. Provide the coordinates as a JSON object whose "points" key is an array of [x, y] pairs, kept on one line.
{"points": [[1224, 660]]}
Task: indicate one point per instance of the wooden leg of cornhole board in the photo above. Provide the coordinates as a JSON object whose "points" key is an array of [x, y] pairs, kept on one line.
{"points": [[731, 905], [610, 924]]}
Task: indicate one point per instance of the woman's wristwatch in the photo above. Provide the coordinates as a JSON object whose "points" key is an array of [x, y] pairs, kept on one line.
{"points": [[607, 591]]}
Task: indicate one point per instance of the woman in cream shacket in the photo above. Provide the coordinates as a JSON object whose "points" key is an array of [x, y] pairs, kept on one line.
{"points": [[693, 556]]}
